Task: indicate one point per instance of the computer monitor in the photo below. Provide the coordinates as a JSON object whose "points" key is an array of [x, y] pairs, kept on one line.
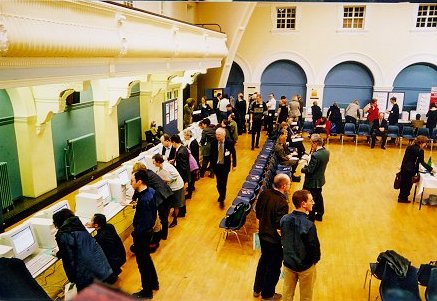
{"points": [[103, 190], [123, 175], [22, 240], [48, 212]]}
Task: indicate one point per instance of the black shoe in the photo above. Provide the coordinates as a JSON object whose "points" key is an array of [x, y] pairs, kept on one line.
{"points": [[155, 287], [404, 201], [211, 175], [142, 295], [132, 248], [382, 147], [222, 205], [188, 196], [256, 146], [372, 146], [173, 223], [318, 217]]}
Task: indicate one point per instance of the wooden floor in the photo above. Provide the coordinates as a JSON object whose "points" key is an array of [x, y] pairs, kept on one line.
{"points": [[362, 218]]}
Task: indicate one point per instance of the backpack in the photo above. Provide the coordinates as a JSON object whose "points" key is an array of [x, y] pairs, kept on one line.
{"points": [[233, 220], [393, 260]]}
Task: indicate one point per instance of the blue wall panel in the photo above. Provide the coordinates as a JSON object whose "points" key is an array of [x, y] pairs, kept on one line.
{"points": [[283, 77], [415, 79], [346, 82]]}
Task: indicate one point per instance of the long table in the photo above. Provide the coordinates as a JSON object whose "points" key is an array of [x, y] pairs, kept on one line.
{"points": [[427, 181]]}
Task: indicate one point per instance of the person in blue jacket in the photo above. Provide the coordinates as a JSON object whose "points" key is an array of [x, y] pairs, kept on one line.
{"points": [[82, 257]]}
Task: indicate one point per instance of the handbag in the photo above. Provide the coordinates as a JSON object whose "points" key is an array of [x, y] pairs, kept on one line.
{"points": [[415, 179], [397, 182], [192, 162]]}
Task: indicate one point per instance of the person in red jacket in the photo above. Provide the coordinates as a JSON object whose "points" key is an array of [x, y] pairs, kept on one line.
{"points": [[372, 111]]}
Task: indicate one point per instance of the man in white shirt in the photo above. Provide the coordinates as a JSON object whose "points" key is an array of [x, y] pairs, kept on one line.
{"points": [[271, 108], [222, 108]]}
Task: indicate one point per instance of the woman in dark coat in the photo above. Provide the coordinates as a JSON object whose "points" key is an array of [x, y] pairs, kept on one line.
{"points": [[432, 119], [334, 116], [414, 155], [82, 257], [316, 112]]}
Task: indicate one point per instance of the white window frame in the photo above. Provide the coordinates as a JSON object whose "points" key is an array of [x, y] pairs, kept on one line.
{"points": [[426, 17], [353, 18], [274, 9]]}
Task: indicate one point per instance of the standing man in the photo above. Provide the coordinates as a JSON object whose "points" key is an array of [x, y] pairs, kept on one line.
{"points": [[215, 104], [143, 222], [379, 128], [301, 248], [167, 150], [241, 108], [314, 172], [222, 110], [393, 117], [208, 136], [270, 208], [182, 164], [222, 150], [271, 109], [257, 109]]}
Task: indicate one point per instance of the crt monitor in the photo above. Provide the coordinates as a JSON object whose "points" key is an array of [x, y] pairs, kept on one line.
{"points": [[22, 240], [48, 213], [103, 190], [123, 175]]}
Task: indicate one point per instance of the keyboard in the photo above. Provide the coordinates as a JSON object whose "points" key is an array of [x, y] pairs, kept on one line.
{"points": [[111, 209], [38, 262]]}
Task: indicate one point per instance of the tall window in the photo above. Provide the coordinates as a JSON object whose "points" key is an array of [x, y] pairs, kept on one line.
{"points": [[286, 18], [427, 16], [353, 17]]}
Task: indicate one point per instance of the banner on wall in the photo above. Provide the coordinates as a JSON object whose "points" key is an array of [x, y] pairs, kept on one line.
{"points": [[433, 98]]}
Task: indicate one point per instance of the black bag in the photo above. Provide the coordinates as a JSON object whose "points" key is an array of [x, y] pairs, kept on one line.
{"points": [[393, 260], [235, 217], [397, 182], [425, 272]]}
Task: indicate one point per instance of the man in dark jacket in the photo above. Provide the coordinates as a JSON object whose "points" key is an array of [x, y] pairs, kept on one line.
{"points": [[315, 175], [208, 136], [222, 150], [82, 257], [379, 128], [111, 244], [270, 208], [301, 248], [182, 164], [143, 222], [241, 107]]}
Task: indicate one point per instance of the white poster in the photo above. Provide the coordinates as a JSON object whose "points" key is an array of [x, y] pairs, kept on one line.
{"points": [[423, 100], [382, 100]]}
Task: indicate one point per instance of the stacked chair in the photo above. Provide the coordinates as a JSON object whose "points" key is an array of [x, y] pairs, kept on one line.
{"points": [[258, 179]]}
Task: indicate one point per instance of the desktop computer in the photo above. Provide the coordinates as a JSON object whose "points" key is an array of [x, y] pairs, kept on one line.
{"points": [[21, 239], [48, 212], [6, 251], [87, 204], [111, 190], [45, 232]]}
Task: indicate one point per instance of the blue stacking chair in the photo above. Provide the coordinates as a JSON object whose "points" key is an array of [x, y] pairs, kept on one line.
{"points": [[395, 288], [393, 132], [234, 228], [253, 178], [423, 131], [248, 193], [407, 133], [308, 127], [349, 130], [256, 171], [431, 289], [251, 186], [363, 130]]}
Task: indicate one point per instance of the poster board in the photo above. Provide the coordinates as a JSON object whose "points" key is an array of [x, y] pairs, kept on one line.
{"points": [[423, 100], [399, 100], [170, 116], [381, 97]]}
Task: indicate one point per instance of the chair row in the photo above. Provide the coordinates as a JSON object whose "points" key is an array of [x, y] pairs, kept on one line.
{"points": [[235, 217]]}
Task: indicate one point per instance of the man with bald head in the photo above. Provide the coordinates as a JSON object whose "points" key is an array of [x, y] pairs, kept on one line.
{"points": [[222, 156], [271, 206]]}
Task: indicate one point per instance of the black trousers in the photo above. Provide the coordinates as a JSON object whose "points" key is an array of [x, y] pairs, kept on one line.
{"points": [[256, 132], [149, 278], [221, 175], [270, 119], [379, 133], [205, 162], [406, 184], [269, 268], [318, 208], [350, 119], [163, 211]]}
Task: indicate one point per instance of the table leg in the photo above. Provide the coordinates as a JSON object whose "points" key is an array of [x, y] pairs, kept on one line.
{"points": [[421, 198], [414, 197]]}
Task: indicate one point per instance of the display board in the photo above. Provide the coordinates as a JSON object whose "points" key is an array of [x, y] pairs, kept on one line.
{"points": [[423, 100], [399, 100], [381, 97], [170, 116]]}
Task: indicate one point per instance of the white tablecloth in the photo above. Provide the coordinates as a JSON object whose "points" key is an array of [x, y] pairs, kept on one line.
{"points": [[426, 181]]}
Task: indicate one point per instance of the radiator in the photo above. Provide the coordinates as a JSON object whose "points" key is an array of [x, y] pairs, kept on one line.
{"points": [[5, 187], [132, 133], [80, 154]]}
